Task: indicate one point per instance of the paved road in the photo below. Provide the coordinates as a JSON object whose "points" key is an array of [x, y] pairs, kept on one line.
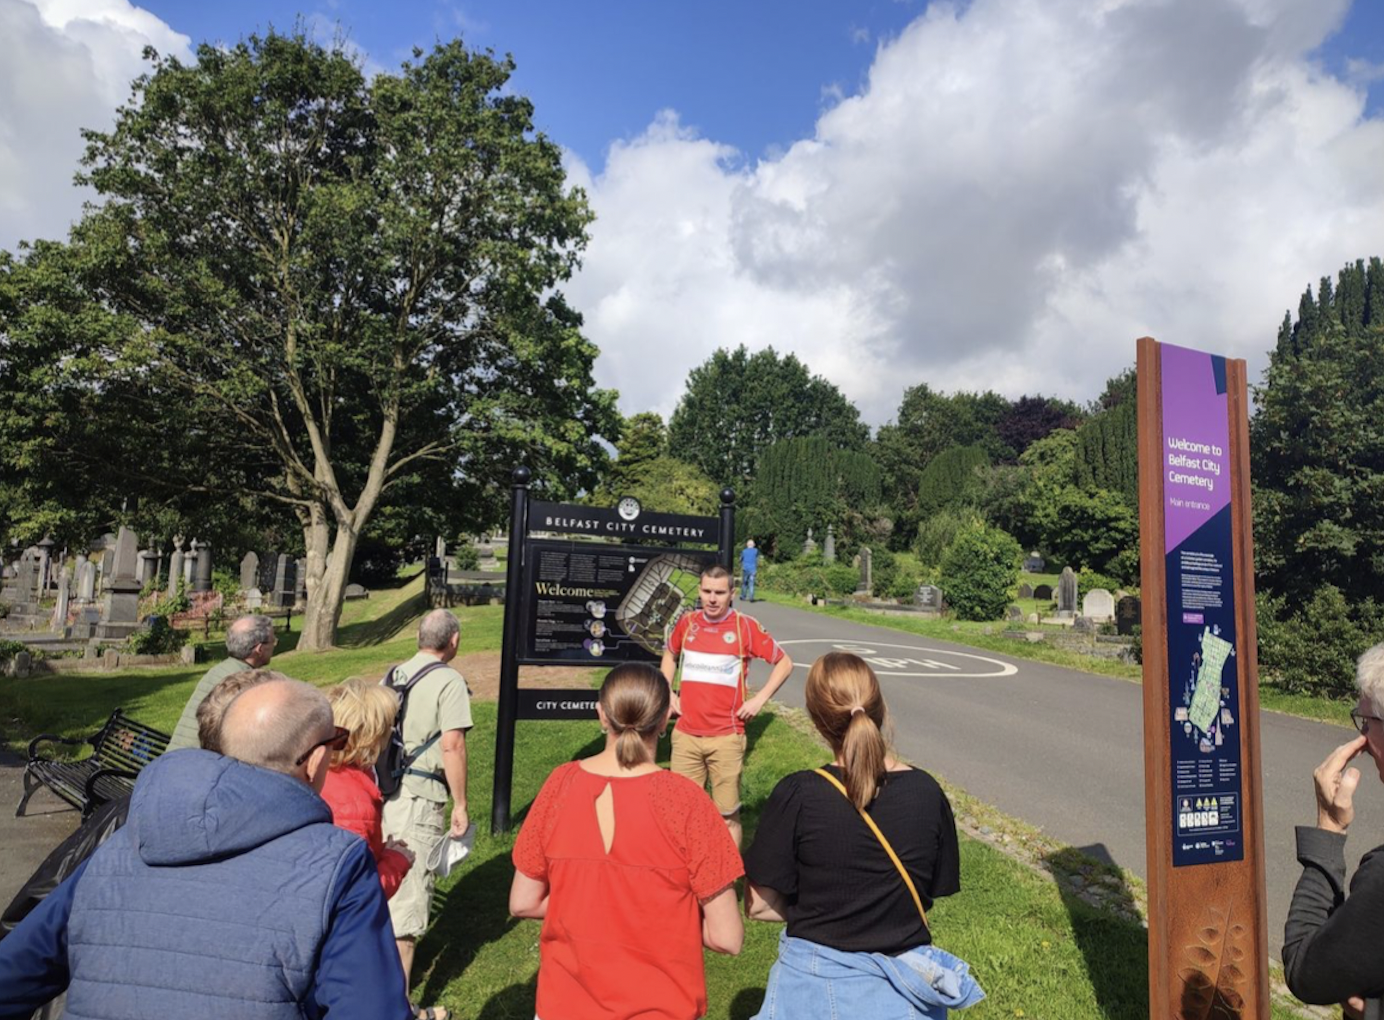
{"points": [[1061, 749]]}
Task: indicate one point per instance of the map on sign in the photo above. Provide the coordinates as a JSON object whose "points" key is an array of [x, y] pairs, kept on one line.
{"points": [[664, 590], [1206, 713]]}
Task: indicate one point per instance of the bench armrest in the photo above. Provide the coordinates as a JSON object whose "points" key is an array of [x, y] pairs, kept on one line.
{"points": [[92, 798], [54, 738]]}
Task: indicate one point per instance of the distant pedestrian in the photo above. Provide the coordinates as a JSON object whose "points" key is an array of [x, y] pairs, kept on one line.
{"points": [[851, 856], [711, 649], [749, 567], [1331, 940], [630, 869]]}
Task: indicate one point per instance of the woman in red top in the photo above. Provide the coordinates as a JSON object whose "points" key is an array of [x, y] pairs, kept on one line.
{"points": [[368, 711], [631, 869]]}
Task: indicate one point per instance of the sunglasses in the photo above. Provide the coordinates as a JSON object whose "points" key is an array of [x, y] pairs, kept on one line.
{"points": [[1361, 720], [336, 742]]}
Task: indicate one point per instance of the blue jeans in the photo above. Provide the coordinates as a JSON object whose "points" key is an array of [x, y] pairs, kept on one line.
{"points": [[747, 585], [813, 982]]}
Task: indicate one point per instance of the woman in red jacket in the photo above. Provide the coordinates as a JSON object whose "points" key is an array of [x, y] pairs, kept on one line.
{"points": [[367, 710]]}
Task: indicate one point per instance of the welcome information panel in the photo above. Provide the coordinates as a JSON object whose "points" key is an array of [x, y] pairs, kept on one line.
{"points": [[1203, 684]]}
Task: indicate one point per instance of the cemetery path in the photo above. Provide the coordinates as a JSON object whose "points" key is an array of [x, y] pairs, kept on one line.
{"points": [[1060, 749]]}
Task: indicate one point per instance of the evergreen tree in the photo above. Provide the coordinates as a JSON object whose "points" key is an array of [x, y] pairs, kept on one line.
{"points": [[1317, 446], [808, 483]]}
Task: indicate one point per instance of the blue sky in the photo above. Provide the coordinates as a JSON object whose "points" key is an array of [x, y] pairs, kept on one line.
{"points": [[753, 74], [994, 194]]}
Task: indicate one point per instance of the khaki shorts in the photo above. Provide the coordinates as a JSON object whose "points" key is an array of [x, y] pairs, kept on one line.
{"points": [[721, 759], [421, 824]]}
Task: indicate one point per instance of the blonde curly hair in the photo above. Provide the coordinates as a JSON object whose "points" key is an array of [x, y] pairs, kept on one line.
{"points": [[367, 710]]}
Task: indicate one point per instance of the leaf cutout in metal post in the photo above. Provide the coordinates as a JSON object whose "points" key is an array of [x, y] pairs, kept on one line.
{"points": [[1212, 984]]}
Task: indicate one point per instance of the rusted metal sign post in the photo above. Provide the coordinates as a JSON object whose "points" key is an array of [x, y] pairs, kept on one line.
{"points": [[1208, 935]]}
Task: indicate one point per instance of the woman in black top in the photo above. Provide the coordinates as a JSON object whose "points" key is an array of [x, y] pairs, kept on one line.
{"points": [[857, 943]]}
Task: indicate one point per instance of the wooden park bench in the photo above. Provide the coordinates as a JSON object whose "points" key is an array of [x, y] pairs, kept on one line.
{"points": [[118, 751]]}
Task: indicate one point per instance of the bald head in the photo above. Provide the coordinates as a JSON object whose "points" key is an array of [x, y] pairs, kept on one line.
{"points": [[272, 724]]}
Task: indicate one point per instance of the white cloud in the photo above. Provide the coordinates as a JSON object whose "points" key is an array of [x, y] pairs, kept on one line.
{"points": [[1021, 189], [64, 65]]}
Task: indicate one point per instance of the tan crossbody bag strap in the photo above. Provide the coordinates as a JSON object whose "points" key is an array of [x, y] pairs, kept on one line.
{"points": [[903, 872]]}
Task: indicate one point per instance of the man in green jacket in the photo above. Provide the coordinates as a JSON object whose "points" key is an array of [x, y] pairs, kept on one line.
{"points": [[249, 645]]}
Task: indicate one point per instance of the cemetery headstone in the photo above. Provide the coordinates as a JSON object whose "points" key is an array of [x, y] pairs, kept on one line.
{"points": [[201, 578], [249, 571], [64, 596], [146, 570], [268, 570], [356, 591], [1128, 615], [86, 581], [285, 580], [120, 610], [1034, 564], [867, 578], [175, 564], [300, 581], [1066, 592], [1014, 614], [928, 596], [829, 548], [254, 598], [1043, 593], [1098, 605], [194, 553], [1025, 591], [1084, 625], [45, 560], [440, 548], [809, 545]]}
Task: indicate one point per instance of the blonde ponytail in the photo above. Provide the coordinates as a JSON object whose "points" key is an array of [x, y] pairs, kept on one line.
{"points": [[846, 706]]}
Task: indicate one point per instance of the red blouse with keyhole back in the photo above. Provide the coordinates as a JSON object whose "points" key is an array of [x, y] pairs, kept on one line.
{"points": [[623, 933]]}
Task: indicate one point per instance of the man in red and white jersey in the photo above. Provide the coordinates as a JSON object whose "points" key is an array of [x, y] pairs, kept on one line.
{"points": [[713, 646]]}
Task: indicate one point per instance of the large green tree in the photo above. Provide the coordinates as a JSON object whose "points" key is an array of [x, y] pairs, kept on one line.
{"points": [[929, 422], [738, 403], [348, 286], [810, 483], [1317, 443]]}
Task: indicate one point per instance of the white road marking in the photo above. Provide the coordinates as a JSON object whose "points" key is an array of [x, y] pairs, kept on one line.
{"points": [[896, 665]]}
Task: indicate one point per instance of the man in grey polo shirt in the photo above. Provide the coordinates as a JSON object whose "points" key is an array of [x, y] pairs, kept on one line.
{"points": [[249, 645], [437, 716]]}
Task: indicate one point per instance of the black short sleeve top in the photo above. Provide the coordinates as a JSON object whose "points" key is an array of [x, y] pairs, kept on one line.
{"points": [[842, 889]]}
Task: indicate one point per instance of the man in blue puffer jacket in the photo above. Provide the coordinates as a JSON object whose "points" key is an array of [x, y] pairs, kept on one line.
{"points": [[229, 893]]}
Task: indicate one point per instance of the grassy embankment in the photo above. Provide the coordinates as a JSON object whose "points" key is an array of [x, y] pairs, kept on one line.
{"points": [[1040, 950]]}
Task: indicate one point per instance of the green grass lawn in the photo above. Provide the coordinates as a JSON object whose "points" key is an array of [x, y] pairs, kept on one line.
{"points": [[1039, 951]]}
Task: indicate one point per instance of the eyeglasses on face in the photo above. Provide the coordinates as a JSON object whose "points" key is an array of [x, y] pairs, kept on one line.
{"points": [[336, 742], [1361, 720]]}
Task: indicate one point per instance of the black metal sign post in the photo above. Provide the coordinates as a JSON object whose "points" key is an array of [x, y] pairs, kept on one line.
{"points": [[509, 662], [572, 601]]}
